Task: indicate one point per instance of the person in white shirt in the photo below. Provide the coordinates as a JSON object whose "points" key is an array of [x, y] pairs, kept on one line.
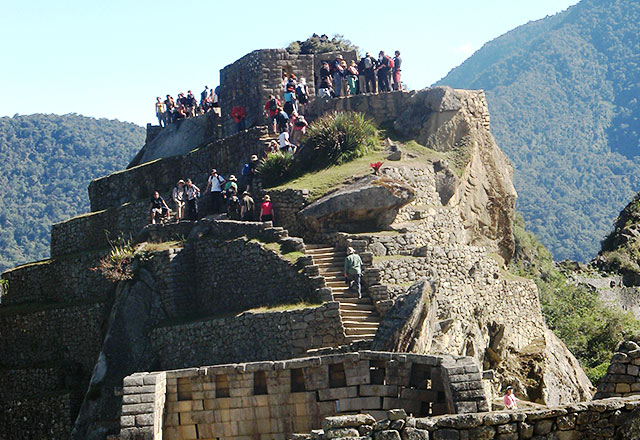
{"points": [[179, 199], [285, 144], [192, 192], [214, 188]]}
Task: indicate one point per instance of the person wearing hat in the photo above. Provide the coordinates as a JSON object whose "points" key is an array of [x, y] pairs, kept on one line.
{"points": [[191, 192], [337, 70], [510, 401], [215, 185], [249, 171], [179, 199], [247, 207], [353, 270], [266, 209], [231, 192]]}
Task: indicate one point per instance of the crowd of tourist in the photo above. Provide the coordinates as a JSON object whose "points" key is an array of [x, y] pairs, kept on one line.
{"points": [[186, 106], [221, 196]]}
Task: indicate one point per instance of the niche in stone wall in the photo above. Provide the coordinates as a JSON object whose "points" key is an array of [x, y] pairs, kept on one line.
{"points": [[259, 383], [297, 381], [420, 377], [377, 372], [337, 376], [222, 385], [184, 388]]}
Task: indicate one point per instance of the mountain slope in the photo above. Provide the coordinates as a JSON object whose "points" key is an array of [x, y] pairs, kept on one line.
{"points": [[563, 95], [46, 163]]}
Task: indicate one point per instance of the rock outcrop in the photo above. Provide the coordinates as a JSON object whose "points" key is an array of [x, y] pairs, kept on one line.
{"points": [[371, 204], [457, 121]]}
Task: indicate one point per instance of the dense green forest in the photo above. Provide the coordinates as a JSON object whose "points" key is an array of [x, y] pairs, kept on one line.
{"points": [[563, 94], [46, 164]]}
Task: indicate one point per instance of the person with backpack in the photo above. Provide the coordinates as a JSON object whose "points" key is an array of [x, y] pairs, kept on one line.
{"points": [[353, 271], [249, 172], [231, 187], [338, 74], [203, 98], [214, 189], [300, 125], [247, 207], [234, 207], [384, 71], [271, 109], [239, 115], [302, 95], [282, 121], [369, 65], [397, 79]]}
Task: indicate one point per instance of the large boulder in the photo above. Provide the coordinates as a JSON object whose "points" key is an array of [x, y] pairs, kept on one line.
{"points": [[370, 204]]}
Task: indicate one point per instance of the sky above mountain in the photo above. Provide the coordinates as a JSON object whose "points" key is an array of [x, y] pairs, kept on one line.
{"points": [[111, 59]]}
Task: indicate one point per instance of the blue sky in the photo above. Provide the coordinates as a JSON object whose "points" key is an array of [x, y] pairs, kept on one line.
{"points": [[111, 59]]}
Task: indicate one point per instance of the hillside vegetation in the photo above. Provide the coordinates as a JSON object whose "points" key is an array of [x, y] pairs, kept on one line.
{"points": [[563, 94], [46, 163]]}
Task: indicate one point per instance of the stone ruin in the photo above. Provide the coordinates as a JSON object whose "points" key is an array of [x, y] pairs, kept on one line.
{"points": [[187, 348]]}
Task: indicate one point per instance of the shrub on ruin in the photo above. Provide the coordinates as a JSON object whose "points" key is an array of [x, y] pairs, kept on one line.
{"points": [[321, 44], [276, 168], [336, 138], [117, 265]]}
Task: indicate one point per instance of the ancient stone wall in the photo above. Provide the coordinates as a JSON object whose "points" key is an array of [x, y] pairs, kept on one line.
{"points": [[138, 183], [61, 280], [382, 107], [71, 333], [610, 418], [275, 399], [623, 375], [44, 417], [250, 336]]}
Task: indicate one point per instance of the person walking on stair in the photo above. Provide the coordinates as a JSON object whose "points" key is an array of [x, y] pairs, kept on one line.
{"points": [[353, 271]]}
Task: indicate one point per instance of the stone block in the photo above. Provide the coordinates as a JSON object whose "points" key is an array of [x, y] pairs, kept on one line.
{"points": [[140, 408], [483, 432], [359, 403], [414, 434], [187, 431], [396, 414], [379, 390], [341, 433], [127, 421], [347, 421], [144, 419], [422, 395], [446, 434], [337, 393], [567, 422], [389, 434], [623, 388], [542, 427], [632, 370]]}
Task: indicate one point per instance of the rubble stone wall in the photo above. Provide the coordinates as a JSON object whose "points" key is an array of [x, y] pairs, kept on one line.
{"points": [[47, 417], [623, 375]]}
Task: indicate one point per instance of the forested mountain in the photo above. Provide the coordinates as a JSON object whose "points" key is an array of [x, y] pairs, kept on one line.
{"points": [[46, 163], [564, 99]]}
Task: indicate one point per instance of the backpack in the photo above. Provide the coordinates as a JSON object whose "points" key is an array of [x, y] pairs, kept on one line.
{"points": [[390, 61], [273, 104], [231, 191], [246, 169], [367, 63]]}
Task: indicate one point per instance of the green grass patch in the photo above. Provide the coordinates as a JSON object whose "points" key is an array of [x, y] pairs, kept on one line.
{"points": [[284, 307], [164, 246]]}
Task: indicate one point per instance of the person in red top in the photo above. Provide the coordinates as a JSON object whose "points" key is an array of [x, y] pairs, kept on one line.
{"points": [[239, 114], [266, 210], [271, 109]]}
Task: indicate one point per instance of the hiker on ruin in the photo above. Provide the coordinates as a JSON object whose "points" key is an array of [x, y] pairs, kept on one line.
{"points": [[282, 121], [234, 208], [337, 71], [179, 198], [204, 95], [290, 88], [302, 95], [266, 210], [249, 171], [271, 148], [192, 104], [215, 184], [353, 271], [169, 106], [161, 112], [290, 108], [231, 187], [191, 192], [239, 115], [271, 109], [385, 64], [352, 78], [285, 144], [215, 94], [510, 401], [159, 208], [247, 207], [325, 89], [397, 72], [300, 125]]}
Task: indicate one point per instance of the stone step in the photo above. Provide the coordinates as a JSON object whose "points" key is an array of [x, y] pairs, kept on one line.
{"points": [[321, 250], [355, 306], [319, 246], [331, 265], [362, 332], [354, 300], [358, 314], [361, 324]]}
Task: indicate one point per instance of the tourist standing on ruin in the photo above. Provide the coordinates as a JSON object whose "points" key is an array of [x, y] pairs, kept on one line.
{"points": [[369, 64], [249, 172], [203, 97], [338, 73], [302, 95], [169, 106], [353, 270], [161, 112], [159, 208], [214, 189], [397, 80], [282, 121], [352, 78], [247, 207], [239, 115], [179, 199], [385, 65], [300, 125], [271, 109], [266, 210], [510, 401], [192, 192]]}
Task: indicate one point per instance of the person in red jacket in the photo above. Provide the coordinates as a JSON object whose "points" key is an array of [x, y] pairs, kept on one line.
{"points": [[239, 114], [271, 109]]}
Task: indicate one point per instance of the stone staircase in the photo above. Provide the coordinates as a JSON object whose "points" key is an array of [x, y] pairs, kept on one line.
{"points": [[359, 315]]}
